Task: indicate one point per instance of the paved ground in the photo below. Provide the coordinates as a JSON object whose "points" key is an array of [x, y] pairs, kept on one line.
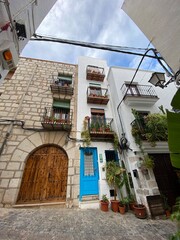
{"points": [[75, 224]]}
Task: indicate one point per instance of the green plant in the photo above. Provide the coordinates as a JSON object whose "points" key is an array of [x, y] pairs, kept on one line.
{"points": [[114, 176], [104, 198], [116, 141], [125, 201], [148, 162], [151, 128], [92, 126], [85, 134], [97, 126], [107, 126]]}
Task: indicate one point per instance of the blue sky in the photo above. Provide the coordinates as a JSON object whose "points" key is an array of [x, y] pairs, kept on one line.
{"points": [[98, 21]]}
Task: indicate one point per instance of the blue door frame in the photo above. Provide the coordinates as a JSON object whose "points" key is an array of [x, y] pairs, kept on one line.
{"points": [[89, 172]]}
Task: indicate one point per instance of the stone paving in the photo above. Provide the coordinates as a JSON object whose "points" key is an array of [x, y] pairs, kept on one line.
{"points": [[76, 224]]}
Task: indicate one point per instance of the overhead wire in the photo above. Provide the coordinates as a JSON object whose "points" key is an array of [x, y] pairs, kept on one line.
{"points": [[120, 49]]}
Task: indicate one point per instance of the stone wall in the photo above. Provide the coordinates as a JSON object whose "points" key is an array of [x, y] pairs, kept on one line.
{"points": [[23, 99]]}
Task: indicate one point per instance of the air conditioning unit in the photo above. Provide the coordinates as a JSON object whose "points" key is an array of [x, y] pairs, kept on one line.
{"points": [[8, 55]]}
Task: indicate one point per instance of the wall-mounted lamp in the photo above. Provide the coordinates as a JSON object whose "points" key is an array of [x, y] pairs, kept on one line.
{"points": [[158, 79]]}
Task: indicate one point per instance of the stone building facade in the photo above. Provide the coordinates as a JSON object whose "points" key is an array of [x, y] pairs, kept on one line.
{"points": [[23, 100]]}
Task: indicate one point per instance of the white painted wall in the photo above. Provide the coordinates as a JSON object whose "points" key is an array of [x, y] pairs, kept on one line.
{"points": [[159, 21], [116, 78], [83, 109], [24, 11]]}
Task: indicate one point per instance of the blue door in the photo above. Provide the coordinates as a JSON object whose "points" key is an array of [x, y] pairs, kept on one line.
{"points": [[88, 172]]}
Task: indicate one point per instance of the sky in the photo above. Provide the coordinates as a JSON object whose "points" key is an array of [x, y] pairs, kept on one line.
{"points": [[97, 21]]}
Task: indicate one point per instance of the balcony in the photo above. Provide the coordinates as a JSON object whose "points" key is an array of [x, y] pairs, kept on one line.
{"points": [[141, 95], [149, 129], [62, 85], [95, 73], [97, 95], [57, 119], [101, 129]]}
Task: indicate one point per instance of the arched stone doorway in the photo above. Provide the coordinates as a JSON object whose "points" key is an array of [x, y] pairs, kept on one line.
{"points": [[45, 176]]}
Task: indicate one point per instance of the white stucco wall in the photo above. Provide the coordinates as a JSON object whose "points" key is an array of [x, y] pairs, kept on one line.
{"points": [[144, 185], [83, 110], [24, 11]]}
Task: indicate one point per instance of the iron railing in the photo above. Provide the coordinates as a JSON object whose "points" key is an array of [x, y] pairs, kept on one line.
{"points": [[61, 86], [138, 91], [95, 73], [97, 95], [57, 119]]}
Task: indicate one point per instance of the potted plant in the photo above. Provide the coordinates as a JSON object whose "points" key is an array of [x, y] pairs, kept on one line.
{"points": [[104, 203], [167, 208], [132, 202], [146, 163], [140, 210], [107, 127], [113, 177], [93, 129], [123, 205]]}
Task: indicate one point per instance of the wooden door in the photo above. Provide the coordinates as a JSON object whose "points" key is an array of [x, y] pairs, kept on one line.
{"points": [[45, 176]]}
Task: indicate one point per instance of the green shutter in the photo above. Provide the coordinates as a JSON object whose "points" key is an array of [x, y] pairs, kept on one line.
{"points": [[65, 78], [61, 104]]}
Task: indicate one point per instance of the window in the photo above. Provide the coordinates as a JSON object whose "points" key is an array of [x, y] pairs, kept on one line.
{"points": [[63, 80], [61, 110], [98, 117], [111, 155], [88, 164], [95, 91]]}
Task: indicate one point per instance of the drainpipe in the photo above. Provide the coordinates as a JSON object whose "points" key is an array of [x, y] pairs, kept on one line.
{"points": [[17, 112]]}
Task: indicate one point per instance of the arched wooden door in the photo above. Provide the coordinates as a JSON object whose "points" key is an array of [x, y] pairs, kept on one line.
{"points": [[45, 176]]}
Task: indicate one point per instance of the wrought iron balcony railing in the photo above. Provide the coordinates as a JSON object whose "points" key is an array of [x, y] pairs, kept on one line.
{"points": [[97, 95], [57, 119], [139, 91], [60, 86], [95, 73], [101, 128], [139, 95]]}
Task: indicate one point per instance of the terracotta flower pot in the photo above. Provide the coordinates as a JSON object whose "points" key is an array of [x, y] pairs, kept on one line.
{"points": [[104, 206], [115, 205], [140, 211], [122, 209]]}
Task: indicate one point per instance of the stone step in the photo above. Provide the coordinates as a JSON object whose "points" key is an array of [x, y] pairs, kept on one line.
{"points": [[90, 197], [39, 205]]}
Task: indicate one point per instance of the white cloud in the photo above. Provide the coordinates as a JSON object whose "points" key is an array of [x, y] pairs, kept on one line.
{"points": [[93, 21]]}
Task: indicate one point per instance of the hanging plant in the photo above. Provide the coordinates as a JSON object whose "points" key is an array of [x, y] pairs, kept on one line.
{"points": [[146, 163], [116, 141], [85, 134]]}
